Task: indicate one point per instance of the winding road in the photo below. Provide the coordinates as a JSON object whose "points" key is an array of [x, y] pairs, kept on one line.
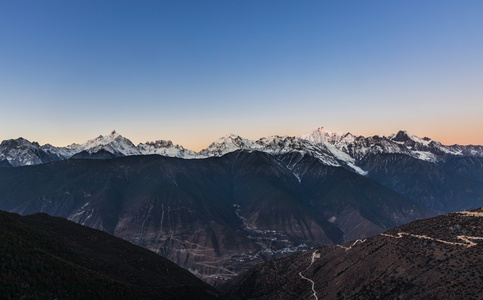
{"points": [[314, 256], [350, 247], [467, 242], [464, 238], [472, 213]]}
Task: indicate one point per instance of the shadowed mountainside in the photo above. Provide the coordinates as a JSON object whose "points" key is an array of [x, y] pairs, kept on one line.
{"points": [[44, 257], [217, 216], [442, 188]]}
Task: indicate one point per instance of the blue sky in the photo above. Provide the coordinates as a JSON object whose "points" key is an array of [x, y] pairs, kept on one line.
{"points": [[192, 71]]}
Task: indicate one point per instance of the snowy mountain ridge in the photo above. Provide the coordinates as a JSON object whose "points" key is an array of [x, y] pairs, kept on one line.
{"points": [[113, 143], [351, 148], [275, 145], [166, 148], [332, 149]]}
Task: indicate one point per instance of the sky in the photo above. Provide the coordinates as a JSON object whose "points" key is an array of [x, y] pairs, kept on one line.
{"points": [[193, 71]]}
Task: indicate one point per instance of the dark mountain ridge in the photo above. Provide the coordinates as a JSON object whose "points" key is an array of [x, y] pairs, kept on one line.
{"points": [[443, 187], [46, 257], [216, 216]]}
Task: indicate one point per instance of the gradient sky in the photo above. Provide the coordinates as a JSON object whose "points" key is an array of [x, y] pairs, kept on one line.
{"points": [[192, 71]]}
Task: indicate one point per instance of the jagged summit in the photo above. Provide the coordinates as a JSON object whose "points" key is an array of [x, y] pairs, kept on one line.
{"points": [[400, 136], [166, 148], [404, 136], [321, 135], [160, 143], [108, 137], [424, 148], [275, 145], [20, 152], [352, 149], [226, 144], [231, 137], [19, 142], [113, 143]]}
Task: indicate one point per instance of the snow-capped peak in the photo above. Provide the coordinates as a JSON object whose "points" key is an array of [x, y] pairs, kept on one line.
{"points": [[19, 152], [166, 148], [423, 148], [337, 144], [403, 136], [113, 143], [229, 143], [105, 139], [322, 136]]}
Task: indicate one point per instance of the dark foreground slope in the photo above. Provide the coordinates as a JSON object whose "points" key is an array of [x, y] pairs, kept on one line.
{"points": [[44, 257], [437, 258]]}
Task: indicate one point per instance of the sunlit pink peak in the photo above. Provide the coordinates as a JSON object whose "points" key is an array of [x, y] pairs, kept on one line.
{"points": [[321, 129], [322, 136]]}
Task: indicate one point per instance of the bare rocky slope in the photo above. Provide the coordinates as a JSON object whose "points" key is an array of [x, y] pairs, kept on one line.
{"points": [[437, 258]]}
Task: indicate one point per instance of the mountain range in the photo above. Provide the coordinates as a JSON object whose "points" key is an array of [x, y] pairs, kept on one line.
{"points": [[335, 149], [239, 202]]}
